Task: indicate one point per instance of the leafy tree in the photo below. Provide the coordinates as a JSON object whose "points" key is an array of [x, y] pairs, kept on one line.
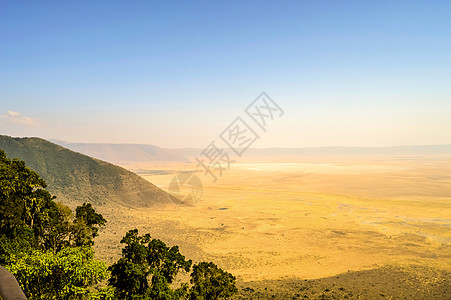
{"points": [[49, 251], [147, 268], [56, 227], [211, 282], [22, 197], [161, 289], [35, 238], [63, 275], [23, 242], [86, 225], [28, 210]]}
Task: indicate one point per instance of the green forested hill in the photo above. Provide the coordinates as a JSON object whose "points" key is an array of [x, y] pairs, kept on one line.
{"points": [[76, 178]]}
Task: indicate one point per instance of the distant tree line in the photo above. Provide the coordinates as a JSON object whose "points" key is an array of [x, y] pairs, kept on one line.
{"points": [[49, 250]]}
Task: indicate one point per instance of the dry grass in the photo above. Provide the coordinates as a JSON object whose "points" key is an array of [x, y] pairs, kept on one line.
{"points": [[266, 220]]}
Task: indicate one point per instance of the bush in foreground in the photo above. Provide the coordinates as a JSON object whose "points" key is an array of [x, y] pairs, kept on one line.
{"points": [[50, 253]]}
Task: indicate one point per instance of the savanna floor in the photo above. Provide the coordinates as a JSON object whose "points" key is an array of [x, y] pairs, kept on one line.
{"points": [[302, 220]]}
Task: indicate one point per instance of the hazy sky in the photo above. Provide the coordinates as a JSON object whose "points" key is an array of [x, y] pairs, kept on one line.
{"points": [[175, 74]]}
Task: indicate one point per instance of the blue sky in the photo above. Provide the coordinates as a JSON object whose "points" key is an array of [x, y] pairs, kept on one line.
{"points": [[175, 74]]}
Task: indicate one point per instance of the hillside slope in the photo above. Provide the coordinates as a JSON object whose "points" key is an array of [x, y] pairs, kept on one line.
{"points": [[76, 178]]}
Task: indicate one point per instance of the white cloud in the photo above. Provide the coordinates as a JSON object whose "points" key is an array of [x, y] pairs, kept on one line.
{"points": [[13, 117]]}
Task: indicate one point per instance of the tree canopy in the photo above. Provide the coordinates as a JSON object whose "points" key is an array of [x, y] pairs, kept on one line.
{"points": [[39, 238], [147, 268], [211, 282], [49, 250]]}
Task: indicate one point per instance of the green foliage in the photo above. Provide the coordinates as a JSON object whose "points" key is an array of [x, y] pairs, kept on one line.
{"points": [[26, 207], [38, 238], [88, 215], [105, 293], [147, 269], [210, 282], [49, 250], [23, 242], [22, 198], [161, 289], [56, 228], [86, 225], [64, 275]]}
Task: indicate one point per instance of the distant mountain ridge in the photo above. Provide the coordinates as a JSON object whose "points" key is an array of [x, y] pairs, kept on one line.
{"points": [[75, 177], [124, 154], [343, 150]]}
